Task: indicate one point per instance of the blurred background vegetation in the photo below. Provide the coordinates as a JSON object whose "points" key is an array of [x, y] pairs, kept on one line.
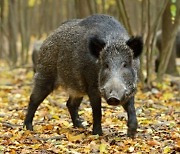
{"points": [[23, 22]]}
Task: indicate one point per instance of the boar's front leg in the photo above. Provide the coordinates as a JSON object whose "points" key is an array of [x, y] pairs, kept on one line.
{"points": [[73, 106], [132, 120], [95, 100]]}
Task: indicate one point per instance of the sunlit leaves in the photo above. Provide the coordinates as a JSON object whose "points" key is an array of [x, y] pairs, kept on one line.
{"points": [[157, 113], [31, 3], [73, 138], [173, 10]]}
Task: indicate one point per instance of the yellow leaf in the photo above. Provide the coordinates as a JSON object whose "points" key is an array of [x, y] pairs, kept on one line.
{"points": [[38, 128], [166, 149], [65, 123], [27, 132], [31, 3], [143, 120], [81, 112], [29, 75], [55, 117], [86, 149], [35, 146], [103, 148], [72, 137], [167, 96]]}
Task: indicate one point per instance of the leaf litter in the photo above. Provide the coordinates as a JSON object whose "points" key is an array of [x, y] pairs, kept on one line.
{"points": [[158, 113]]}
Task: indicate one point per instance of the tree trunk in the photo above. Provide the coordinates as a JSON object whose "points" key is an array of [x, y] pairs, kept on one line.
{"points": [[1, 27], [82, 9], [169, 31], [12, 37], [24, 30], [172, 68], [90, 7]]}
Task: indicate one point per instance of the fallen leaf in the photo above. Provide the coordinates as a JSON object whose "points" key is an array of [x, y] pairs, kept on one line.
{"points": [[49, 127], [103, 148], [153, 143], [131, 149], [175, 135], [166, 149], [73, 138]]}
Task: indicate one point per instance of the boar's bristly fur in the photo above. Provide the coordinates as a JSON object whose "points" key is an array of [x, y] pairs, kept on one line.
{"points": [[92, 56]]}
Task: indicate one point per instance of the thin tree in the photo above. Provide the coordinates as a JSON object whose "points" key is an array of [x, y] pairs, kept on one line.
{"points": [[12, 28], [169, 31]]}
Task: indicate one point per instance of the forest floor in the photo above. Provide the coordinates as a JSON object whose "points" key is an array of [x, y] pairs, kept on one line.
{"points": [[158, 113]]}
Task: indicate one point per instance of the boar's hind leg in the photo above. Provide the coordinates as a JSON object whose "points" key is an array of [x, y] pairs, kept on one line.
{"points": [[132, 121], [41, 90], [73, 106], [95, 101]]}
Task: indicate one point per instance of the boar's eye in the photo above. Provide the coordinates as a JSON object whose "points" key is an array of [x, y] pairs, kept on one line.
{"points": [[106, 66], [124, 64]]}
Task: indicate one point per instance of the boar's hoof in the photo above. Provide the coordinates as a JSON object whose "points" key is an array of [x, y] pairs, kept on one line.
{"points": [[78, 123], [131, 132], [97, 131], [28, 126]]}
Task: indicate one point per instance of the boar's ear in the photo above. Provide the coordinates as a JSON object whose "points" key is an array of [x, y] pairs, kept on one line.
{"points": [[136, 44], [96, 45]]}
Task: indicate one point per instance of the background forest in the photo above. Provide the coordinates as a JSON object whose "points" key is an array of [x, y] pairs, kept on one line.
{"points": [[25, 22]]}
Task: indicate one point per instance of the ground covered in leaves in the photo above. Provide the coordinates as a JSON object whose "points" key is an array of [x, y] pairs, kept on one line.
{"points": [[158, 112]]}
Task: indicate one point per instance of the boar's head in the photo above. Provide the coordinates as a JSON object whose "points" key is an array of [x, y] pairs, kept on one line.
{"points": [[117, 71]]}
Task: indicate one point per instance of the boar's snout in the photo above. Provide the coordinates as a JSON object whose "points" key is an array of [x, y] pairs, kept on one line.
{"points": [[116, 92], [113, 101], [114, 97]]}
